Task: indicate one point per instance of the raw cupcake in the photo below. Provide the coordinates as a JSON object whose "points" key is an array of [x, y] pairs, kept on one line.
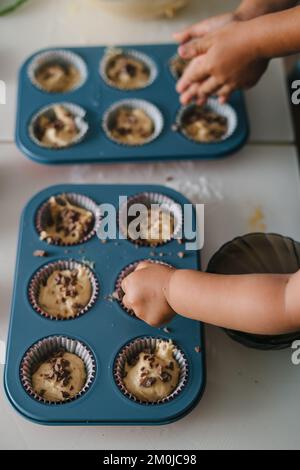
{"points": [[65, 293], [156, 228], [66, 223], [56, 127], [127, 72], [178, 66], [131, 126], [202, 124], [57, 77], [153, 376], [61, 377]]}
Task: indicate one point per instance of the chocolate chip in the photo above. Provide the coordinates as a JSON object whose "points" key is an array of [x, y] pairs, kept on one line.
{"points": [[147, 382], [65, 394], [42, 392], [165, 377], [170, 366]]}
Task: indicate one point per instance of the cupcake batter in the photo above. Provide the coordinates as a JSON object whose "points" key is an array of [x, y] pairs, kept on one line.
{"points": [[127, 72], [158, 227], [56, 128], [66, 223], [60, 377], [203, 125], [57, 77], [65, 293], [131, 126], [153, 376]]}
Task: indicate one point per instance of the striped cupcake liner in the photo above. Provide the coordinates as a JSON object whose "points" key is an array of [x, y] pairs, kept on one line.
{"points": [[111, 53], [147, 199], [212, 104], [149, 109], [77, 111], [131, 350], [42, 351], [41, 277], [76, 199], [61, 57]]}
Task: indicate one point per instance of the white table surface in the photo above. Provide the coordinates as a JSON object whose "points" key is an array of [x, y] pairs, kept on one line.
{"points": [[49, 23], [251, 399]]}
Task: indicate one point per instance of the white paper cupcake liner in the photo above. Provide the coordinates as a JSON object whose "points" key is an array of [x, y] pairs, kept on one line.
{"points": [[212, 104], [63, 57], [42, 350], [131, 351], [144, 58], [152, 111], [40, 279], [78, 200], [77, 111], [124, 273], [149, 198]]}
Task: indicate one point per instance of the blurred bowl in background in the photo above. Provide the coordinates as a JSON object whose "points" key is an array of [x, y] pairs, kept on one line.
{"points": [[258, 253], [143, 8]]}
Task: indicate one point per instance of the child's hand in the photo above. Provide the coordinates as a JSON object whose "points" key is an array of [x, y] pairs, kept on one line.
{"points": [[223, 61], [145, 290], [203, 27]]}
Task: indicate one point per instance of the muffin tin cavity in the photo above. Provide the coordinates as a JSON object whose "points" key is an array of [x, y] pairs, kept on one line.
{"points": [[98, 332], [45, 349], [57, 71], [98, 94], [63, 290], [208, 124], [67, 219], [161, 219], [129, 355], [133, 122], [58, 125], [127, 69]]}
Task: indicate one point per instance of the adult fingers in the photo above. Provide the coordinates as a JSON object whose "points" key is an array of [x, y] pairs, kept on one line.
{"points": [[143, 265]]}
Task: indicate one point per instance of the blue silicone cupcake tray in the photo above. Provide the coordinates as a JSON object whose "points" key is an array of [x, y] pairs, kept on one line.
{"points": [[105, 328], [95, 96]]}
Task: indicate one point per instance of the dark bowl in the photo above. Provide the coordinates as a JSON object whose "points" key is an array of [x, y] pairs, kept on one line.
{"points": [[258, 253]]}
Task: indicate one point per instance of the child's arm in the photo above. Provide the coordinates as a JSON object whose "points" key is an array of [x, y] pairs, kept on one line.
{"points": [[255, 303], [236, 55], [247, 10]]}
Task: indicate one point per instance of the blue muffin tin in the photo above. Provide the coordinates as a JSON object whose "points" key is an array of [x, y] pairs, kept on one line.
{"points": [[95, 96], [105, 328]]}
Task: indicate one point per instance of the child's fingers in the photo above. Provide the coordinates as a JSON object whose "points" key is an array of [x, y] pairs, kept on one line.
{"points": [[197, 29], [192, 48], [195, 72], [224, 93], [189, 94], [207, 88], [127, 302], [143, 265]]}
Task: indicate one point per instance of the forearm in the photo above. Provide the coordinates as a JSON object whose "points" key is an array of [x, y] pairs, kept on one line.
{"points": [[272, 35], [249, 9], [251, 303]]}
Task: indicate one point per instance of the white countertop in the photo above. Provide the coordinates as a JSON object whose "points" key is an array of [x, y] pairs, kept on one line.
{"points": [[251, 398]]}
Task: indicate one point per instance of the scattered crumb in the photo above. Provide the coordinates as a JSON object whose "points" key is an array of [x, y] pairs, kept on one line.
{"points": [[66, 251], [152, 253], [256, 221], [175, 127], [170, 178], [115, 295], [179, 241], [103, 240], [197, 349], [40, 253], [180, 254], [161, 254], [166, 329]]}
